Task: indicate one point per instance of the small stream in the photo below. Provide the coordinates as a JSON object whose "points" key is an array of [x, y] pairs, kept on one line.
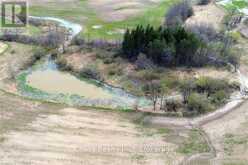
{"points": [[73, 28]]}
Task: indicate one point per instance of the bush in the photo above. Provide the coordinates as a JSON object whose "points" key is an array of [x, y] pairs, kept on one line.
{"points": [[219, 97], [209, 85], [62, 65], [50, 40], [199, 103], [148, 75], [39, 53], [91, 72], [115, 71], [204, 2], [205, 32], [143, 62], [172, 105], [179, 13], [186, 88], [78, 41]]}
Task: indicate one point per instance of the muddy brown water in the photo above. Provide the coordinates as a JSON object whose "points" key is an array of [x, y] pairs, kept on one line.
{"points": [[53, 81]]}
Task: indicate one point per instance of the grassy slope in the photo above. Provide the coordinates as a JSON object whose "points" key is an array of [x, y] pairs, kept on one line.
{"points": [[82, 14]]}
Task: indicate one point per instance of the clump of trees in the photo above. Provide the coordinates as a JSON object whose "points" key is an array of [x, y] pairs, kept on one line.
{"points": [[194, 46], [205, 93], [164, 46], [178, 14], [199, 95]]}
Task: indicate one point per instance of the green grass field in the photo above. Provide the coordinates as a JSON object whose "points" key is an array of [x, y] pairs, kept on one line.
{"points": [[235, 4], [81, 13]]}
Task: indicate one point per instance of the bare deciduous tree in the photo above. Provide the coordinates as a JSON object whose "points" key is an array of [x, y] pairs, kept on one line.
{"points": [[153, 92]]}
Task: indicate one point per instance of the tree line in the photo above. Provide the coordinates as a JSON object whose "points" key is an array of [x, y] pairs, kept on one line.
{"points": [[195, 46], [164, 46]]}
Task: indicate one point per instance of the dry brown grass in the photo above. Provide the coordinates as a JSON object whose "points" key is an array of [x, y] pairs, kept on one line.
{"points": [[41, 133]]}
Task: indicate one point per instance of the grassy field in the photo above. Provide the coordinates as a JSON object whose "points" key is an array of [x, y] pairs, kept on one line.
{"points": [[240, 5], [80, 12]]}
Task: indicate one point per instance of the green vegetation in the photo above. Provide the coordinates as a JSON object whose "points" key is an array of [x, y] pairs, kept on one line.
{"points": [[199, 103], [84, 15], [194, 47], [165, 46], [231, 141], [204, 94], [236, 5], [164, 130], [195, 143]]}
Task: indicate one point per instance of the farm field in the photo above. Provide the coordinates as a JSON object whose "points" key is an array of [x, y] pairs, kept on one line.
{"points": [[62, 135]]}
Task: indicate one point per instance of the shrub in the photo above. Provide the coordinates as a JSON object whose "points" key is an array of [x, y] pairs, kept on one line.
{"points": [[63, 65], [172, 105], [148, 75], [78, 41], [209, 85], [199, 103], [143, 62], [205, 32], [115, 71], [39, 53], [204, 2], [186, 88], [108, 60], [178, 13], [219, 97], [50, 40], [91, 72]]}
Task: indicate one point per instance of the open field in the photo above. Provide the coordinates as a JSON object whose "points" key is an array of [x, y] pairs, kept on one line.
{"points": [[105, 19], [43, 133]]}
